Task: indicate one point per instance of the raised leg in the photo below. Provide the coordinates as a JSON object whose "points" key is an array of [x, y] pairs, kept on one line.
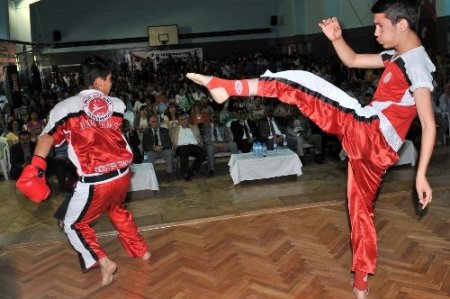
{"points": [[222, 89]]}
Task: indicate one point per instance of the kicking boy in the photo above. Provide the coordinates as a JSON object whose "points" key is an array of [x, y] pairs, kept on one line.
{"points": [[371, 135]]}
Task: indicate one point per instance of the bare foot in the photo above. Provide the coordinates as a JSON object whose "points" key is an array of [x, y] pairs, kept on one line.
{"points": [[146, 256], [361, 294], [108, 268], [219, 94]]}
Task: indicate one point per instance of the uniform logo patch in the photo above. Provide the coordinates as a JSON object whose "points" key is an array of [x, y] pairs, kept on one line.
{"points": [[238, 86], [387, 78], [98, 106]]}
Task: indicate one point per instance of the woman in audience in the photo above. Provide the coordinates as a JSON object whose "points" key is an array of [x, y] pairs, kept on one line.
{"points": [[6, 113], [139, 102], [141, 120], [170, 118], [35, 125], [12, 137], [198, 117]]}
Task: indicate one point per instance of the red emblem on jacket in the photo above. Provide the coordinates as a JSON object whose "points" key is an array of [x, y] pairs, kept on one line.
{"points": [[98, 106]]}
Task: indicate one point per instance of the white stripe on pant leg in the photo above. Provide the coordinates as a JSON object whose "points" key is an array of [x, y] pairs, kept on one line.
{"points": [[337, 95], [319, 85], [76, 206]]}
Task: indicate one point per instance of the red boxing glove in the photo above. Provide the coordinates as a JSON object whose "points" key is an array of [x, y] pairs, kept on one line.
{"points": [[32, 180]]}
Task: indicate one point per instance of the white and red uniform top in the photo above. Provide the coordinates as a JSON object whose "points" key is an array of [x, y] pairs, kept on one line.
{"points": [[394, 95], [393, 103], [91, 124]]}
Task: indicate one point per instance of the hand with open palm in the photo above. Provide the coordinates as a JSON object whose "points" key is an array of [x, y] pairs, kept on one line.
{"points": [[331, 28]]}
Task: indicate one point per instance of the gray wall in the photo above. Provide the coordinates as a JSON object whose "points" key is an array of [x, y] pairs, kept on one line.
{"points": [[104, 20], [83, 20], [4, 19]]}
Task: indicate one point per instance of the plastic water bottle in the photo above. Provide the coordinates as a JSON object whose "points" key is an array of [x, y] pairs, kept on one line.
{"points": [[275, 146], [285, 143], [254, 149], [146, 159], [264, 149], [258, 149]]}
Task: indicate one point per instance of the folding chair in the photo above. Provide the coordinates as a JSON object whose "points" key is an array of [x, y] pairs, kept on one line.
{"points": [[5, 163]]}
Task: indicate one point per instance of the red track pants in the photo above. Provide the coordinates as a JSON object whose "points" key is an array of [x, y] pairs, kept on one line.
{"points": [[87, 204], [358, 128]]}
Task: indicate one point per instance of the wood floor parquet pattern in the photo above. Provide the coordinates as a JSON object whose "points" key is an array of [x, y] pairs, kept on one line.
{"points": [[298, 253]]}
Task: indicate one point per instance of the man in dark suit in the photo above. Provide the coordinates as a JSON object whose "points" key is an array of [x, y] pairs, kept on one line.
{"points": [[133, 140], [65, 171], [217, 140], [21, 154], [270, 129], [187, 141], [244, 131], [156, 144]]}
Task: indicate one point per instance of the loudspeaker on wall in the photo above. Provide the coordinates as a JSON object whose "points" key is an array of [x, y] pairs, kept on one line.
{"points": [[273, 20], [56, 36]]}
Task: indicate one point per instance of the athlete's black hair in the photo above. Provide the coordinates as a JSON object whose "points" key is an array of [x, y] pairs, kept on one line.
{"points": [[94, 67], [396, 10]]}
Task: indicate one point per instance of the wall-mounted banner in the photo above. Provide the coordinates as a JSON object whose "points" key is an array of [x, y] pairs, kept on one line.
{"points": [[157, 56]]}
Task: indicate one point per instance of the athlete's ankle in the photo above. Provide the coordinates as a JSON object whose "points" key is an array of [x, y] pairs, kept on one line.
{"points": [[238, 88], [360, 282]]}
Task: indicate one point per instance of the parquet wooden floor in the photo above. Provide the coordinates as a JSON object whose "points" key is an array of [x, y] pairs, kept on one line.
{"points": [[210, 239], [299, 253]]}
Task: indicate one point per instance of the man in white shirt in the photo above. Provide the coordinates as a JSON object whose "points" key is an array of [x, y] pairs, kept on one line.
{"points": [[187, 141]]}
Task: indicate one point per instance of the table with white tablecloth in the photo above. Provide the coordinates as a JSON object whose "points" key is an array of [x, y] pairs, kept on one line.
{"points": [[143, 177], [246, 166]]}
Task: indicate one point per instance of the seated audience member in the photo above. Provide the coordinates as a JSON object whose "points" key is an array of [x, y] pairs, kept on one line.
{"points": [[138, 103], [65, 171], [21, 154], [217, 140], [198, 117], [35, 125], [227, 115], [269, 130], [129, 115], [12, 135], [141, 119], [161, 102], [244, 131], [258, 110], [444, 99], [298, 132], [170, 118], [282, 110], [156, 144], [205, 106], [183, 100], [6, 115], [132, 137], [442, 125], [195, 92], [187, 141]]}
